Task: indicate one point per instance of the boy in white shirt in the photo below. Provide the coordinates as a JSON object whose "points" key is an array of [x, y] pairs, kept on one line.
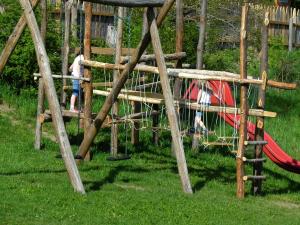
{"points": [[77, 71]]}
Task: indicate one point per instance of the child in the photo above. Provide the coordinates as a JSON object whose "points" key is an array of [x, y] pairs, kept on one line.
{"points": [[203, 98], [77, 71]]}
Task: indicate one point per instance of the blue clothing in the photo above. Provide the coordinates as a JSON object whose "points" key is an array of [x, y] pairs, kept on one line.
{"points": [[76, 87]]}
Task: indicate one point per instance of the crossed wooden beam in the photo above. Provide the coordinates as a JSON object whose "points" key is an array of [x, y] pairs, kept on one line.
{"points": [[151, 35]]}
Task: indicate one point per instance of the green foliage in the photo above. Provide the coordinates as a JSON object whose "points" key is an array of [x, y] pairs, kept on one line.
{"points": [[283, 65]]}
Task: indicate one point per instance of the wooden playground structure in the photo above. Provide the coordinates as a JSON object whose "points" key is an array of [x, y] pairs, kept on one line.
{"points": [[124, 65]]}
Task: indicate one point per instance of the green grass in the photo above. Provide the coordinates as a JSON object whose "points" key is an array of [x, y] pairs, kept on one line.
{"points": [[146, 189]]}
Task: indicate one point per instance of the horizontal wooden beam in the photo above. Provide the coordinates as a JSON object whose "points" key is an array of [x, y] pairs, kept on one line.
{"points": [[147, 58], [64, 77], [130, 3], [108, 51], [195, 74], [154, 98]]}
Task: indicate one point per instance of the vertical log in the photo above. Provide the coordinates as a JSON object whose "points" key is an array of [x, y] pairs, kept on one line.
{"points": [[259, 128], [135, 132], [65, 51], [57, 119], [243, 104], [40, 110], [179, 48], [136, 125], [88, 86], [200, 47], [118, 54], [113, 95], [291, 33], [200, 52], [169, 101], [74, 18], [155, 124], [14, 38], [41, 90]]}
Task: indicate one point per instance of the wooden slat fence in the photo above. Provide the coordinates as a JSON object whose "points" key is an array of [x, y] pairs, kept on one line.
{"points": [[102, 17]]}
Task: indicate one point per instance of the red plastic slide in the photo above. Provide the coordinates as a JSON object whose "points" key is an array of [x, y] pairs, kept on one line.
{"points": [[272, 150]]}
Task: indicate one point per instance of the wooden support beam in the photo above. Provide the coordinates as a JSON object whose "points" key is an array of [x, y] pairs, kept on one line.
{"points": [[147, 58], [240, 170], [94, 128], [155, 124], [66, 50], [40, 110], [88, 87], [194, 74], [136, 108], [108, 51], [57, 76], [259, 126], [116, 74], [41, 90], [200, 47], [130, 3], [58, 123], [154, 98], [14, 38], [170, 107]]}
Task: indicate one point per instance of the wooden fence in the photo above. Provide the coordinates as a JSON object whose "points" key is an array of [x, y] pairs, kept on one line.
{"points": [[102, 17], [284, 23]]}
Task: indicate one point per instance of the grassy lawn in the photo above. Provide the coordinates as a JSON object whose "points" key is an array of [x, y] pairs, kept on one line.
{"points": [[146, 189]]}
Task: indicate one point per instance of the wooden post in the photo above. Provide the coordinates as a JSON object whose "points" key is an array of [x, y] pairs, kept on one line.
{"points": [[169, 102], [291, 34], [179, 48], [100, 118], [200, 52], [243, 105], [259, 128], [155, 124], [200, 47], [57, 119], [88, 86], [118, 54], [41, 90], [74, 18], [65, 51], [136, 125], [14, 38], [135, 132], [40, 110]]}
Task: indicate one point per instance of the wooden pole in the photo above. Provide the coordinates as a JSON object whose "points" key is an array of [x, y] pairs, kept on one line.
{"points": [[88, 86], [170, 107], [14, 38], [200, 47], [41, 90], [66, 50], [130, 3], [179, 48], [74, 18], [259, 128], [94, 128], [118, 54], [200, 52], [240, 170], [291, 34], [155, 124], [58, 122], [136, 106]]}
